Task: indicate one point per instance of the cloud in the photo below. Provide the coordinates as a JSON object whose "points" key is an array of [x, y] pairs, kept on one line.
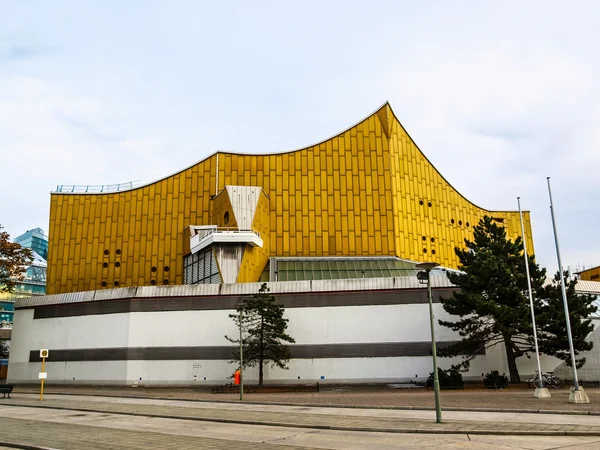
{"points": [[498, 96], [44, 148], [20, 52], [16, 50], [496, 124]]}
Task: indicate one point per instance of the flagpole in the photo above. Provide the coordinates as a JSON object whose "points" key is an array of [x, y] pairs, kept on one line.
{"points": [[577, 393], [540, 390]]}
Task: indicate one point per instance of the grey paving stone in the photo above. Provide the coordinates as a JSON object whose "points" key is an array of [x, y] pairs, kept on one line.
{"points": [[295, 419], [77, 437]]}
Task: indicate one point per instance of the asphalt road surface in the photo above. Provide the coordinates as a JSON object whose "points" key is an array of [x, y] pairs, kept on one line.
{"points": [[66, 428]]}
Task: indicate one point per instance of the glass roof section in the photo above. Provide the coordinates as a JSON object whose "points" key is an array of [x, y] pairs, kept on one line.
{"points": [[297, 269]]}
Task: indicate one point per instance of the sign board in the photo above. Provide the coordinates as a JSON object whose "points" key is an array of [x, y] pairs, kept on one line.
{"points": [[43, 375], [44, 353]]}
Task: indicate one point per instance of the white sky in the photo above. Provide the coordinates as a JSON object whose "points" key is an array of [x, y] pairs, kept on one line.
{"points": [[498, 95]]}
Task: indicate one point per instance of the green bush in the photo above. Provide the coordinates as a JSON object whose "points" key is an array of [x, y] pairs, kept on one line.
{"points": [[495, 380], [449, 379]]}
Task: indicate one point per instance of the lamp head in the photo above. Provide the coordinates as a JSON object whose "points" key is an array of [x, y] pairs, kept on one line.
{"points": [[427, 265]]}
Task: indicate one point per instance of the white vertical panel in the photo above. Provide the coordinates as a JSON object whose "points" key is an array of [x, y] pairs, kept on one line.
{"points": [[244, 200]]}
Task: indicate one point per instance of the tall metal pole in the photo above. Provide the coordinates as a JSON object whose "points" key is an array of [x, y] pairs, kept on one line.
{"points": [[564, 292], [436, 381], [241, 362], [535, 340]]}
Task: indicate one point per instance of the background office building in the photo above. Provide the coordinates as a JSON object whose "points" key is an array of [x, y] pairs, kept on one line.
{"points": [[34, 282], [35, 275]]}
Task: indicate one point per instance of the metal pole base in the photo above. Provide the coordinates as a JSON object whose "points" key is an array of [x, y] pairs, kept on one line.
{"points": [[438, 409], [578, 396], [541, 392]]}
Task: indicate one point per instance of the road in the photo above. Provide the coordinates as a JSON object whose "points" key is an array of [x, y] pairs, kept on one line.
{"points": [[69, 426]]}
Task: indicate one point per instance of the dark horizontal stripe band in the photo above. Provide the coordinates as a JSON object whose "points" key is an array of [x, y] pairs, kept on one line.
{"points": [[303, 300], [213, 353]]}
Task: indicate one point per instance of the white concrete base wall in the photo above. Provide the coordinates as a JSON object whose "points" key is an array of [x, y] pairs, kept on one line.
{"points": [[327, 325], [76, 372], [366, 369]]}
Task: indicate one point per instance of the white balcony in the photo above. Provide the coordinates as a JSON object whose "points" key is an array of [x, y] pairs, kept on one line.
{"points": [[203, 237]]}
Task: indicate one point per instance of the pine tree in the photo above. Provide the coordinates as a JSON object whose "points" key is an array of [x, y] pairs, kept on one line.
{"points": [[264, 327], [492, 301], [551, 317], [14, 260]]}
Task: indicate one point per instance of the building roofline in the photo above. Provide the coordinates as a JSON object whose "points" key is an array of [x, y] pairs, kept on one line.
{"points": [[587, 270], [225, 152], [433, 165]]}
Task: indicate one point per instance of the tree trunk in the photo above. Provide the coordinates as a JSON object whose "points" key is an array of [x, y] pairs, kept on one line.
{"points": [[512, 361], [262, 353]]}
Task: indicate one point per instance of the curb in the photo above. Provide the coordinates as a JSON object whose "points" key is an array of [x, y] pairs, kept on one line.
{"points": [[406, 430], [330, 405], [24, 446]]}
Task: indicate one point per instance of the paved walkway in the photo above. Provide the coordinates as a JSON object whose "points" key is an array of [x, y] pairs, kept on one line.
{"points": [[52, 435], [370, 397], [67, 429], [343, 419]]}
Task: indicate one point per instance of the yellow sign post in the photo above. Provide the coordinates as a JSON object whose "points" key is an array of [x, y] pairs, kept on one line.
{"points": [[43, 355]]}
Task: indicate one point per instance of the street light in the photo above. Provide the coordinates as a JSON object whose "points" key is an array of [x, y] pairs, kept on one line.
{"points": [[426, 277], [540, 390], [577, 395], [241, 360]]}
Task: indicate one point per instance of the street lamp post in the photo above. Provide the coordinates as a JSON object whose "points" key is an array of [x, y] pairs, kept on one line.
{"points": [[241, 362], [427, 266], [540, 390], [578, 395]]}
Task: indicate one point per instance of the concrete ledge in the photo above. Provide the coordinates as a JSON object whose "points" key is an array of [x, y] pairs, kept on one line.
{"points": [[24, 446], [332, 405]]}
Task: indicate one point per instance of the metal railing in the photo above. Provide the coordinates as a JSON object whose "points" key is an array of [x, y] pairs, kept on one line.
{"points": [[96, 188], [231, 230], [210, 231]]}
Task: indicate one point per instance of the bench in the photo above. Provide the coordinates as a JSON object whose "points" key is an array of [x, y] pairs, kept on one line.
{"points": [[429, 385], [6, 389], [268, 388]]}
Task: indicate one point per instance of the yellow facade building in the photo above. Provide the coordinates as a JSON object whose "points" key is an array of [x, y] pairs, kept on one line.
{"points": [[367, 200], [592, 274]]}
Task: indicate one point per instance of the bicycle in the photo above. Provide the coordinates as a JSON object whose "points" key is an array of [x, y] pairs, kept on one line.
{"points": [[548, 380]]}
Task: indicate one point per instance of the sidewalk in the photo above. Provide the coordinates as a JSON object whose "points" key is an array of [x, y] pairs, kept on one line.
{"points": [[342, 419], [516, 400]]}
